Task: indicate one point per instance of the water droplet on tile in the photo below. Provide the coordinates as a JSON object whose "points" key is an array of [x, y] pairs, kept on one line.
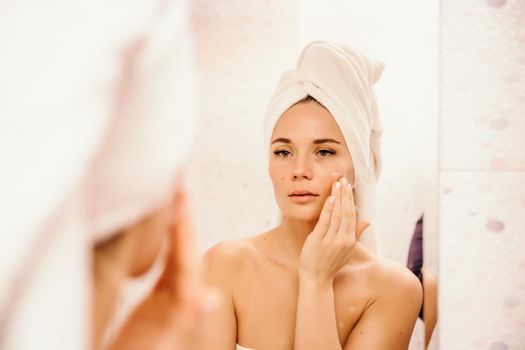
{"points": [[511, 301], [499, 164], [479, 342], [495, 226], [498, 124], [498, 346], [522, 264], [496, 3]]}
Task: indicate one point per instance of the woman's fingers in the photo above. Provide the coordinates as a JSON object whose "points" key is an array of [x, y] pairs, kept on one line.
{"points": [[180, 260], [324, 219], [346, 229], [351, 199], [360, 228], [335, 217]]}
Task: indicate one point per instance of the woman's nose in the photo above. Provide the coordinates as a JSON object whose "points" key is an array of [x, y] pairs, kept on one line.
{"points": [[301, 169]]}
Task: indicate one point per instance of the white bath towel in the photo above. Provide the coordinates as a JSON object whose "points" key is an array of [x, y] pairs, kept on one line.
{"points": [[341, 79], [96, 115], [238, 347]]}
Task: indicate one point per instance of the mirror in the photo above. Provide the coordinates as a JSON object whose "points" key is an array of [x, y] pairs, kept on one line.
{"points": [[241, 51]]}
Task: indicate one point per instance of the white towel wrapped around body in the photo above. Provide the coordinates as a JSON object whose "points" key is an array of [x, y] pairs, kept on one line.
{"points": [[341, 79]]}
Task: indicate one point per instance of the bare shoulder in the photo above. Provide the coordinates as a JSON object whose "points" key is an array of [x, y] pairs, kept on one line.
{"points": [[394, 302], [390, 279], [227, 253], [397, 275], [227, 250], [227, 260], [396, 283]]}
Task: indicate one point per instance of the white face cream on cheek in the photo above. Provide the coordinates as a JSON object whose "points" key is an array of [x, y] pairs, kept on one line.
{"points": [[336, 175]]}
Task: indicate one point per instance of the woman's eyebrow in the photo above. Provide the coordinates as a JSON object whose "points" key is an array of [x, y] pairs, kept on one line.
{"points": [[281, 139], [316, 142], [319, 141]]}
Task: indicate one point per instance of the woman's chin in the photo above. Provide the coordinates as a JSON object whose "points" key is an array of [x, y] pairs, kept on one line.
{"points": [[302, 214]]}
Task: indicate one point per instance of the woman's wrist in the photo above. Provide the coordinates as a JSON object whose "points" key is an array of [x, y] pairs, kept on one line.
{"points": [[318, 281]]}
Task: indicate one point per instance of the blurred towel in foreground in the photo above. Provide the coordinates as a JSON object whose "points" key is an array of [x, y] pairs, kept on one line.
{"points": [[96, 114]]}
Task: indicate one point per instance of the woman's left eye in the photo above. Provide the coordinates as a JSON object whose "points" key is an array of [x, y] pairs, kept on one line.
{"points": [[325, 153]]}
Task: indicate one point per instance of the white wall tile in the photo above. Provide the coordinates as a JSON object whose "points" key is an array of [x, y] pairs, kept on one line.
{"points": [[482, 260], [482, 65]]}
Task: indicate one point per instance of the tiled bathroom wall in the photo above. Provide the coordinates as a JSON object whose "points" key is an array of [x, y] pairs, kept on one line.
{"points": [[482, 175]]}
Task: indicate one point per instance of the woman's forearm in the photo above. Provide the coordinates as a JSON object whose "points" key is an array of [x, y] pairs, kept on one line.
{"points": [[316, 325]]}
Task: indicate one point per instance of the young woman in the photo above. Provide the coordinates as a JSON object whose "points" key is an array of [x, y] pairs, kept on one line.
{"points": [[309, 283]]}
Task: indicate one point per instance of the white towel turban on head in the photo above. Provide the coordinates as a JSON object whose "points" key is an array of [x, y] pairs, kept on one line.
{"points": [[341, 79]]}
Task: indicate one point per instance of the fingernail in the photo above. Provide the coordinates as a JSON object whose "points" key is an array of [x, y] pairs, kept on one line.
{"points": [[344, 181], [331, 200], [337, 185]]}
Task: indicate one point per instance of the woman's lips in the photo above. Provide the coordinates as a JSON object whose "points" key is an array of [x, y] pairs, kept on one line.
{"points": [[304, 198]]}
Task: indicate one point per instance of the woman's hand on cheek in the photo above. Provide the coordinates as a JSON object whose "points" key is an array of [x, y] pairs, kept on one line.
{"points": [[171, 315], [330, 244]]}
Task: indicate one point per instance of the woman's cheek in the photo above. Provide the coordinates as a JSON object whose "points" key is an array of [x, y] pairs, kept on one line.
{"points": [[339, 171], [337, 174], [333, 174]]}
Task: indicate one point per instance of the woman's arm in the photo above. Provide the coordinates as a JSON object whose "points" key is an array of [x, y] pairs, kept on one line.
{"points": [[388, 322], [219, 270], [324, 252], [316, 323], [430, 303]]}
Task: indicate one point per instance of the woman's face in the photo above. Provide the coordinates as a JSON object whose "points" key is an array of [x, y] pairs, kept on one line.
{"points": [[308, 153]]}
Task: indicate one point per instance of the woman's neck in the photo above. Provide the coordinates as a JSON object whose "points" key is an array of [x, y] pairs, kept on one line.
{"points": [[292, 234]]}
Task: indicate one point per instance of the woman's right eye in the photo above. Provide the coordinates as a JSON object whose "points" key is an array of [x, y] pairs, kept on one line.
{"points": [[282, 153]]}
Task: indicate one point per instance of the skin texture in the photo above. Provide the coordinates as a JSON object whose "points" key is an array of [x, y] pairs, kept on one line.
{"points": [[170, 315], [308, 283], [430, 303]]}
